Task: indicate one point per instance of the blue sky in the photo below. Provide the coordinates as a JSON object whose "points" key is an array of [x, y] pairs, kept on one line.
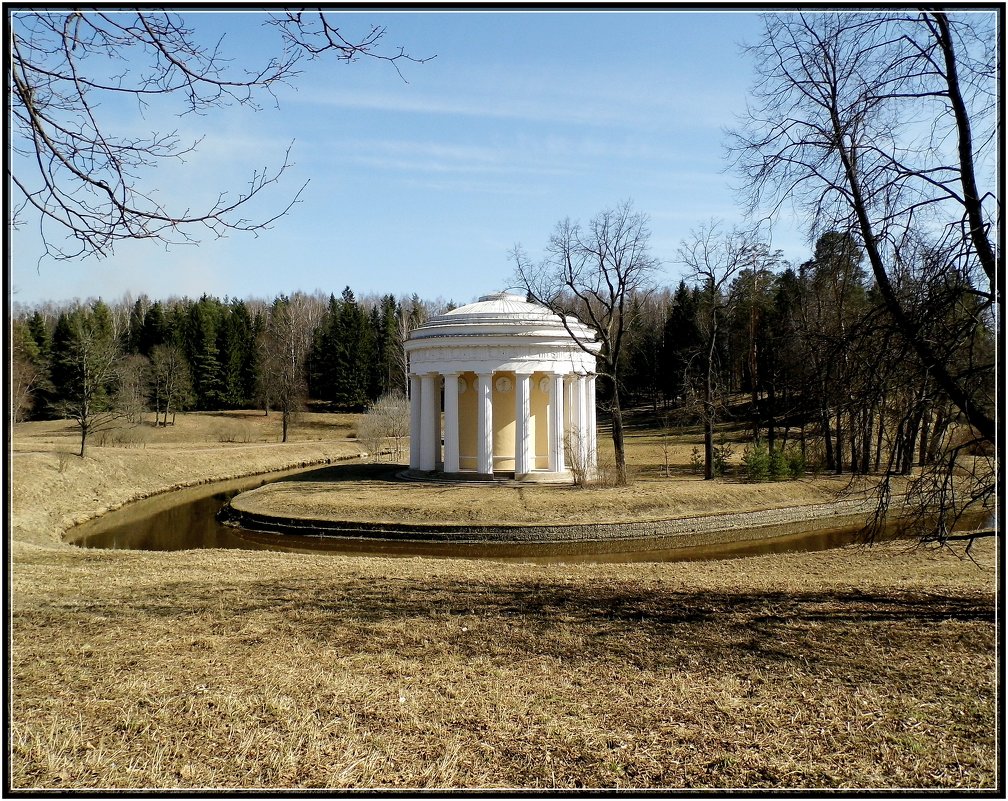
{"points": [[522, 119]]}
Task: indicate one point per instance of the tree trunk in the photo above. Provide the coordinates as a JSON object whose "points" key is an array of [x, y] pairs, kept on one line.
{"points": [[708, 404], [838, 449], [852, 441], [827, 435], [911, 329], [771, 415], [617, 438], [866, 441], [83, 439], [285, 417], [923, 450], [881, 429]]}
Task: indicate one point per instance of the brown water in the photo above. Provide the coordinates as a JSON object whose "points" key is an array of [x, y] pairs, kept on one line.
{"points": [[186, 519]]}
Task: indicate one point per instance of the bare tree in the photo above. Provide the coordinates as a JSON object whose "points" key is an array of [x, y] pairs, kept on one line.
{"points": [[170, 382], [412, 314], [90, 372], [714, 257], [594, 273], [284, 344], [133, 382], [91, 186], [884, 123], [28, 370]]}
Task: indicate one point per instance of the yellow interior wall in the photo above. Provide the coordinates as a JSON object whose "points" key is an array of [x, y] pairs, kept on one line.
{"points": [[503, 423], [539, 407], [467, 423]]}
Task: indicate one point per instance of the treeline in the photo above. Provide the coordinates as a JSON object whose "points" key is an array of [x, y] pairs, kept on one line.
{"points": [[95, 361], [802, 354], [809, 354]]}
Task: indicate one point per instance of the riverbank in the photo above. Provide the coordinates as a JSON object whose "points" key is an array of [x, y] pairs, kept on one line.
{"points": [[853, 668], [53, 489]]}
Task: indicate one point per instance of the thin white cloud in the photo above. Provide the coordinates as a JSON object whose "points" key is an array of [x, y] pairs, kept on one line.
{"points": [[601, 102]]}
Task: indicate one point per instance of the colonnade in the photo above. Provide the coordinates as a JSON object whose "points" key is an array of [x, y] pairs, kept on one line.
{"points": [[469, 430]]}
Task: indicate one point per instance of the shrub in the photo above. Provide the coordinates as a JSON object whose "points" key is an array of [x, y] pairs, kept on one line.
{"points": [[722, 453], [777, 464], [232, 431], [795, 461], [386, 421], [756, 460], [696, 460]]}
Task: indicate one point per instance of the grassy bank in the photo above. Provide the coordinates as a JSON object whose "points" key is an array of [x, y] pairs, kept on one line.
{"points": [[53, 489], [869, 668]]}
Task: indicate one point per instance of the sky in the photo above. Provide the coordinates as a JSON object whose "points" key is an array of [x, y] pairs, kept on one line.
{"points": [[519, 120]]}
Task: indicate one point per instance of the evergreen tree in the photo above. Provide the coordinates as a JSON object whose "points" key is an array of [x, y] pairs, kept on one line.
{"points": [[351, 343], [234, 345], [86, 370], [202, 322], [388, 346], [39, 367], [153, 329]]}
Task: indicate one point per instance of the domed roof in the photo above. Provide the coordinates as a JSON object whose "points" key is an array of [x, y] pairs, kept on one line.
{"points": [[501, 314], [502, 331]]}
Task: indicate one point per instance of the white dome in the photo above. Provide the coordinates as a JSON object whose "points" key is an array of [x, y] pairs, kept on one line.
{"points": [[503, 330]]}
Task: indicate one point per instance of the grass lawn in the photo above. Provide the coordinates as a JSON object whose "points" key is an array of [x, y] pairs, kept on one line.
{"points": [[855, 668]]}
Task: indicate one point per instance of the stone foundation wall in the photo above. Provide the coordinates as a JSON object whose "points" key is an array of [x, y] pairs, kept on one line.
{"points": [[687, 531]]}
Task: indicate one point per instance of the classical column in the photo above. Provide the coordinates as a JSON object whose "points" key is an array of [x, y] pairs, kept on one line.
{"points": [[430, 421], [592, 423], [484, 424], [556, 423], [451, 422], [579, 420], [523, 433], [414, 422]]}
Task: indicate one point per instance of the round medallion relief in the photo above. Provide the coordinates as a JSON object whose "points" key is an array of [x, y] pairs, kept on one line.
{"points": [[463, 385], [544, 385], [503, 384]]}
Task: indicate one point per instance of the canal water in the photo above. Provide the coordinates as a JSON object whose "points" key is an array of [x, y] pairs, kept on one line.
{"points": [[187, 519]]}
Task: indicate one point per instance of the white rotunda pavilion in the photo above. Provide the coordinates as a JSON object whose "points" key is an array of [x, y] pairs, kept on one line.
{"points": [[517, 392]]}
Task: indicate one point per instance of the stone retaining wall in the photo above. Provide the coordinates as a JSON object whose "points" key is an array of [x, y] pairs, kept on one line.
{"points": [[705, 529]]}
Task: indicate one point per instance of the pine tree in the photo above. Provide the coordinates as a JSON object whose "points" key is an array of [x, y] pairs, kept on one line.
{"points": [[202, 322]]}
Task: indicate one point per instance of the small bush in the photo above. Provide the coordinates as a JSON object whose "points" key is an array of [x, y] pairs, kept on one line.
{"points": [[130, 437], [232, 431], [756, 460], [777, 464], [795, 461], [696, 460], [723, 451], [606, 474]]}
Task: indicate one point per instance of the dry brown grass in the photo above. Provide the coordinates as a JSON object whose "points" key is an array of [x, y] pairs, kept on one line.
{"points": [[53, 489], [851, 668], [862, 668], [376, 495]]}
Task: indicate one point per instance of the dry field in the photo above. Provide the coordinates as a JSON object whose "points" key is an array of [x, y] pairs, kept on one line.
{"points": [[856, 668]]}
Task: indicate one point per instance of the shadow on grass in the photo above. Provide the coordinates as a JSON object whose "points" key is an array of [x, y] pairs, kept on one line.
{"points": [[356, 471], [849, 631]]}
